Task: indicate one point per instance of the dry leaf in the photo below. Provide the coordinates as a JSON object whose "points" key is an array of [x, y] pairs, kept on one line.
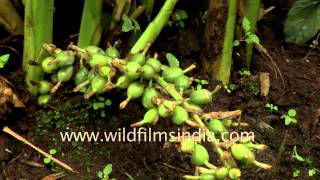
{"points": [[7, 95], [54, 176], [264, 84]]}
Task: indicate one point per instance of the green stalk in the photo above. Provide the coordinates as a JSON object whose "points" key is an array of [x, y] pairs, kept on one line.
{"points": [[91, 23], [170, 88], [38, 25], [149, 4], [155, 27], [252, 14], [223, 70]]}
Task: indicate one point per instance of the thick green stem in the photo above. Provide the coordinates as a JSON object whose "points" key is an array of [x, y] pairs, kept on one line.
{"points": [[252, 8], [91, 23], [38, 25], [224, 65], [155, 27]]}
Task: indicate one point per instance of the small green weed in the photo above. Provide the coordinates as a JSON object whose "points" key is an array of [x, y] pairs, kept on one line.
{"points": [[99, 104], [272, 107], [129, 24], [249, 37], [104, 174], [200, 83], [230, 88], [50, 163], [312, 171], [290, 117], [244, 72], [178, 18]]}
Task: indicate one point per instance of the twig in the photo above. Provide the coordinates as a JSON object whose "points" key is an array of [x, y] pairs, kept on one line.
{"points": [[222, 114], [176, 168], [22, 139], [32, 163], [54, 176], [265, 54], [14, 159], [281, 150]]}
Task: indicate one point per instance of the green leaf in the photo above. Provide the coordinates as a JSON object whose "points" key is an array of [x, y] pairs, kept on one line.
{"points": [[180, 15], [98, 105], [204, 16], [296, 156], [46, 160], [292, 113], [302, 22], [252, 38], [103, 114], [4, 60], [312, 172], [127, 24], [181, 24], [236, 43], [83, 90], [108, 102], [172, 60], [100, 98], [204, 82], [107, 169], [289, 120], [296, 173], [199, 86], [52, 151], [100, 174], [246, 25], [136, 25]]}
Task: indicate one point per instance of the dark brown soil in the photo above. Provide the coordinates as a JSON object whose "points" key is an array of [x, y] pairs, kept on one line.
{"points": [[144, 161]]}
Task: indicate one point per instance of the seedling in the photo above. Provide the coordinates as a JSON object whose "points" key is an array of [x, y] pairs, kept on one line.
{"points": [[230, 88], [312, 171], [47, 160], [252, 86], [204, 16], [272, 107], [200, 83], [296, 173], [104, 174], [249, 37], [290, 117], [101, 103], [245, 72], [178, 18], [129, 24], [4, 60], [315, 43], [50, 163]]}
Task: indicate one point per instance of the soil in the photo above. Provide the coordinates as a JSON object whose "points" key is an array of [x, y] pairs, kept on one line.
{"points": [[299, 89]]}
